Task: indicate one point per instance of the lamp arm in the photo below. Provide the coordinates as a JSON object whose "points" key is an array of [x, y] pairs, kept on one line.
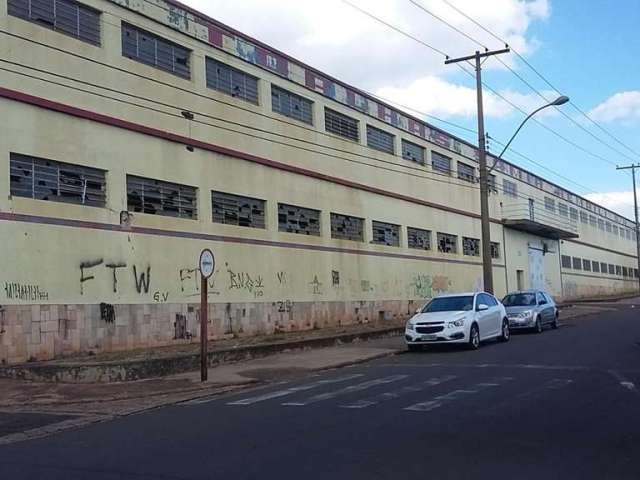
{"points": [[495, 162]]}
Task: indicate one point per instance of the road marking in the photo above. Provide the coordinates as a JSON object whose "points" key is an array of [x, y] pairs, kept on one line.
{"points": [[344, 391], [291, 390], [454, 395], [624, 382], [398, 393], [490, 365]]}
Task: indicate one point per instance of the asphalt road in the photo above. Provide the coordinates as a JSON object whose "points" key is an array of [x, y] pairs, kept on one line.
{"points": [[564, 404]]}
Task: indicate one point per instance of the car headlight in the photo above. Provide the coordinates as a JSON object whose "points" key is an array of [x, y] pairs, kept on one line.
{"points": [[525, 314], [456, 323], [410, 326]]}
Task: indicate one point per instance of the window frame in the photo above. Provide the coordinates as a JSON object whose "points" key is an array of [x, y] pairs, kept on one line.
{"points": [[295, 103], [158, 185], [256, 220], [341, 125]]}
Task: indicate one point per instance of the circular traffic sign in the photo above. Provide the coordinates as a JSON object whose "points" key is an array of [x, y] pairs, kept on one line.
{"points": [[207, 263]]}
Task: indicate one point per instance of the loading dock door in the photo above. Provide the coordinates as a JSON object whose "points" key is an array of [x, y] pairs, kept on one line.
{"points": [[536, 269]]}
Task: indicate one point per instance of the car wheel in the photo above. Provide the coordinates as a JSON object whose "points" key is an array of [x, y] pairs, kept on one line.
{"points": [[414, 348], [554, 325], [506, 334], [474, 337], [538, 326]]}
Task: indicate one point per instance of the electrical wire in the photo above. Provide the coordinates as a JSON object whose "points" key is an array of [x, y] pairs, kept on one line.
{"points": [[179, 116], [449, 178], [540, 75], [520, 77]]}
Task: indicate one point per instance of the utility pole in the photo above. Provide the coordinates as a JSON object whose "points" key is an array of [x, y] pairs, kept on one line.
{"points": [[487, 266], [635, 204]]}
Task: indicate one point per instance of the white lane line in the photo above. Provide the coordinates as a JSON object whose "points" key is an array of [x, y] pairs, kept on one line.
{"points": [[624, 382], [490, 365], [454, 395], [432, 382], [291, 390], [344, 391]]}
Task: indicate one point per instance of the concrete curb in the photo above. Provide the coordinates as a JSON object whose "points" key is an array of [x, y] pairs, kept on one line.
{"points": [[123, 371]]}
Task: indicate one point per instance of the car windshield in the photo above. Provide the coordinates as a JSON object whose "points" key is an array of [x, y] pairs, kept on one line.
{"points": [[519, 300], [449, 304]]}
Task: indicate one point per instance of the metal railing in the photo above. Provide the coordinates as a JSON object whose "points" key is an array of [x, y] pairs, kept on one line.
{"points": [[535, 213]]}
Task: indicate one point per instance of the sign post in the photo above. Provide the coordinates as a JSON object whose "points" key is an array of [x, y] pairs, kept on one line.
{"points": [[207, 265]]}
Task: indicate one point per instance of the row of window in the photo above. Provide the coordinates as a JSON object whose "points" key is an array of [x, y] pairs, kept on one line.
{"points": [[587, 219], [575, 263], [83, 22], [51, 180]]}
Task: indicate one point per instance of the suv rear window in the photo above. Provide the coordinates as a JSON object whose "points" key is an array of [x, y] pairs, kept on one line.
{"points": [[519, 300]]}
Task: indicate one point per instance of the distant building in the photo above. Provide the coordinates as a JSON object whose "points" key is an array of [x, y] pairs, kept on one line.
{"points": [[137, 133]]}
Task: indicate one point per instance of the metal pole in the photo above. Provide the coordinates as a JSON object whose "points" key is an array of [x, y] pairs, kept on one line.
{"points": [[204, 307], [487, 267], [635, 204]]}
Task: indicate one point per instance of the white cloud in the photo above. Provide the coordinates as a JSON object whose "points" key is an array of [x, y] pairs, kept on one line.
{"points": [[341, 41], [436, 96], [623, 106], [620, 202]]}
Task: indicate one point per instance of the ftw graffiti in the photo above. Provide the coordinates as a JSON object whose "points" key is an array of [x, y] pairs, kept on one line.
{"points": [[142, 281]]}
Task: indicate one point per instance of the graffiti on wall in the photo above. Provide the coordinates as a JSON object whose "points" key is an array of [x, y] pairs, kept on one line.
{"points": [[25, 292], [245, 281], [427, 286], [142, 278]]}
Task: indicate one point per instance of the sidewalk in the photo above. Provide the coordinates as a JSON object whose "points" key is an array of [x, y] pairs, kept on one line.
{"points": [[164, 361], [31, 409]]}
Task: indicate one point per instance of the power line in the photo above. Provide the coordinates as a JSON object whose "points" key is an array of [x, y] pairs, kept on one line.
{"points": [[449, 179], [191, 92], [540, 75], [517, 75]]}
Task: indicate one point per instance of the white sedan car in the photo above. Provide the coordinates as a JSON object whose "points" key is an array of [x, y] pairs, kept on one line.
{"points": [[466, 318]]}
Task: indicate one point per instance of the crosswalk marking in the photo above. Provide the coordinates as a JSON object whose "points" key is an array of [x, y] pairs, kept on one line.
{"points": [[454, 395], [347, 390], [291, 390], [398, 393]]}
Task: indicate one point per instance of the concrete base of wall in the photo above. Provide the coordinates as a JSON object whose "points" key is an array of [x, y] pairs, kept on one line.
{"points": [[45, 332]]}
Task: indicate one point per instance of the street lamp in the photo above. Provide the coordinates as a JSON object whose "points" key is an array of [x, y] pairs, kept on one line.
{"points": [[487, 265], [561, 100]]}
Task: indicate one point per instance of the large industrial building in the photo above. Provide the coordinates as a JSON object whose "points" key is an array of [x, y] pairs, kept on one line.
{"points": [[135, 133]]}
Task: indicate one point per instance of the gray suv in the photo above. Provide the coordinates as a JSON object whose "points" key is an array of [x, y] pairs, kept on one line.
{"points": [[531, 309]]}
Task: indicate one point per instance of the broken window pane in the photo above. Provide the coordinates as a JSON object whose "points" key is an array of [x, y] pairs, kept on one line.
{"points": [[440, 162], [386, 234], [51, 180], [66, 16], [233, 209], [345, 227], [157, 197], [418, 238], [495, 250], [471, 246], [301, 220], [447, 243], [291, 105], [466, 172], [413, 152], [153, 50], [230, 80]]}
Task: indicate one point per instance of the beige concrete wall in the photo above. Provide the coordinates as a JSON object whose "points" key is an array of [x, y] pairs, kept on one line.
{"points": [[273, 281]]}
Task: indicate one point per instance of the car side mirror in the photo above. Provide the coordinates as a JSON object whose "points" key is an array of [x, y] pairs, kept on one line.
{"points": [[482, 307]]}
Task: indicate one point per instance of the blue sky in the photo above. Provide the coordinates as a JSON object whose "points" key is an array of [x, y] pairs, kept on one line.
{"points": [[585, 49]]}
